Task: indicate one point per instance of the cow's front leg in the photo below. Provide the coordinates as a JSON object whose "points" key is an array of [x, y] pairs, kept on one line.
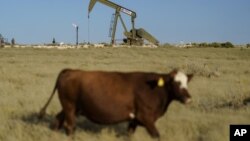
{"points": [[132, 126], [152, 130], [149, 123]]}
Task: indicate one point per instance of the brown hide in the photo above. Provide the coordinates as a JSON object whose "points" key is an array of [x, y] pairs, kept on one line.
{"points": [[112, 97]]}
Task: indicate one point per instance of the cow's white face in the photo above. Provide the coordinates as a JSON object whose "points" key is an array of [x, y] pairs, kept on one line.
{"points": [[180, 86], [182, 79]]}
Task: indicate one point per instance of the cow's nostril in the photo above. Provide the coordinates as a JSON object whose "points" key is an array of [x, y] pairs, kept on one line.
{"points": [[188, 100]]}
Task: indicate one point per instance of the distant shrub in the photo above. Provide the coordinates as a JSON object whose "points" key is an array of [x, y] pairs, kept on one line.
{"points": [[13, 42], [227, 45], [166, 45], [54, 41], [203, 45], [248, 45], [1, 42], [194, 44], [216, 45]]}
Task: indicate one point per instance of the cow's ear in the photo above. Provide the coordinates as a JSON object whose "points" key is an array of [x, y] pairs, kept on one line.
{"points": [[173, 73], [190, 76]]}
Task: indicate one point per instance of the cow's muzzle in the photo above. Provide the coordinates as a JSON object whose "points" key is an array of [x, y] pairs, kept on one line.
{"points": [[187, 101]]}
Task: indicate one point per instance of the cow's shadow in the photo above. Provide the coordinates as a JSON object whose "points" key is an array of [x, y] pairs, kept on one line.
{"points": [[82, 124], [86, 125], [246, 101]]}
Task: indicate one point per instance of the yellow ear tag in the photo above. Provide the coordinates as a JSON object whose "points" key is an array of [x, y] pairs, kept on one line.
{"points": [[160, 82]]}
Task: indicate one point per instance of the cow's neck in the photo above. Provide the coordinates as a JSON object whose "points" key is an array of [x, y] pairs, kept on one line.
{"points": [[167, 99], [166, 103]]}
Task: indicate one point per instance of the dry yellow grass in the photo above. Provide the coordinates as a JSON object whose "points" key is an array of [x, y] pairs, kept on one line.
{"points": [[220, 85]]}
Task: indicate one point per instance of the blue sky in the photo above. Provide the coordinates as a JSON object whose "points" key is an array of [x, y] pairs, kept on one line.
{"points": [[170, 21]]}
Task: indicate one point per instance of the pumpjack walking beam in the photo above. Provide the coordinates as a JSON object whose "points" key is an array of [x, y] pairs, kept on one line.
{"points": [[132, 37], [118, 9]]}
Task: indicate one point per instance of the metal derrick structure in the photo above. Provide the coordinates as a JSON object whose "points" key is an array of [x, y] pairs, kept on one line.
{"points": [[134, 36]]}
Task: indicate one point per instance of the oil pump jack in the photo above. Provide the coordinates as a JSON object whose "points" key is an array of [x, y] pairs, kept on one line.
{"points": [[134, 36]]}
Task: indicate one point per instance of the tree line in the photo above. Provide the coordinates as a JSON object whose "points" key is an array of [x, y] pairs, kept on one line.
{"points": [[205, 44], [214, 44]]}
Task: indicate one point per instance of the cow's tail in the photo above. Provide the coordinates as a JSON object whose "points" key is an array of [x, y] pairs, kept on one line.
{"points": [[43, 110]]}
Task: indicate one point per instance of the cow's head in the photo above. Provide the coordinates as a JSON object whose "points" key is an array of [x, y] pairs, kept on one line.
{"points": [[175, 84], [178, 86]]}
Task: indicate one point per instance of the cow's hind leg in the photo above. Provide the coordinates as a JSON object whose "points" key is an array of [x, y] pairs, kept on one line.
{"points": [[58, 122], [70, 120]]}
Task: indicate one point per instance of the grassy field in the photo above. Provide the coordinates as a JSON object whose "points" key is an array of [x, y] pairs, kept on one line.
{"points": [[220, 85]]}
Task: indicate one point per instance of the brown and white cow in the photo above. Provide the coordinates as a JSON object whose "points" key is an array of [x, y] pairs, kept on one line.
{"points": [[112, 97]]}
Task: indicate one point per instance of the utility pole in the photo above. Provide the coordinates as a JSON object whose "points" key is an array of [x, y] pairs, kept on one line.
{"points": [[76, 27]]}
